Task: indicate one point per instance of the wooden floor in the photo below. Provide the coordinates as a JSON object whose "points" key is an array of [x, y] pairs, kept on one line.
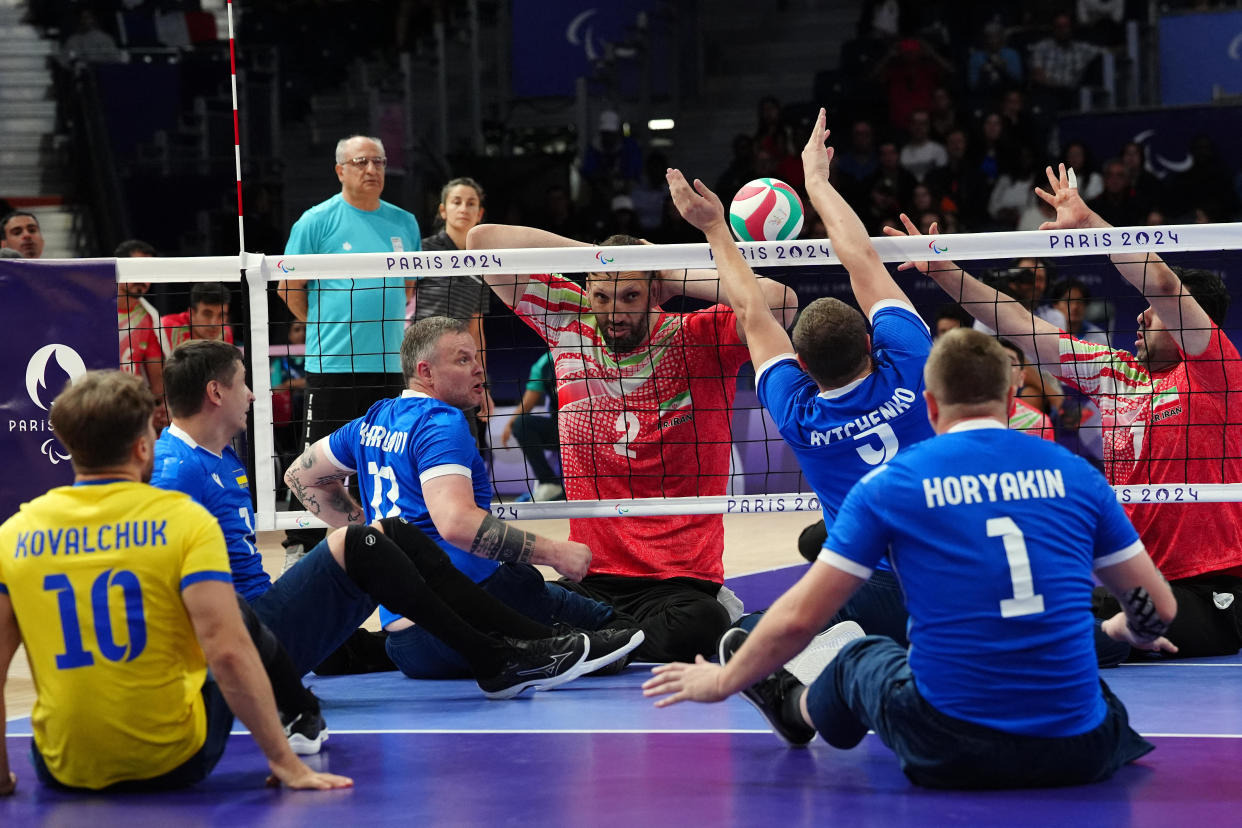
{"points": [[752, 543]]}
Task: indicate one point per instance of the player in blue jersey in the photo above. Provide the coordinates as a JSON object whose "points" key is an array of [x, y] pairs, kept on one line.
{"points": [[844, 400], [120, 640], [1000, 687], [321, 600], [415, 459]]}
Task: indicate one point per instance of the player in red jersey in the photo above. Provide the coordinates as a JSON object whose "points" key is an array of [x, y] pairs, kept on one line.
{"points": [[1171, 414], [646, 400], [1022, 415]]}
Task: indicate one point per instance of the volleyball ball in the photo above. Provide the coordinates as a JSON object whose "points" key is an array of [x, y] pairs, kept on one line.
{"points": [[766, 209]]}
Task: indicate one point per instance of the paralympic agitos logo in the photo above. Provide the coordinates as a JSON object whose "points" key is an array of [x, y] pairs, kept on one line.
{"points": [[39, 386]]}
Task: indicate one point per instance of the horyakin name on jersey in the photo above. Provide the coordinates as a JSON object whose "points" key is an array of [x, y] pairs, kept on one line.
{"points": [[1031, 484], [896, 405]]}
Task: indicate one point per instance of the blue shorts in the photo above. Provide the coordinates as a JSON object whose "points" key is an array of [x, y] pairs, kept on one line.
{"points": [[192, 770], [313, 608], [869, 685]]}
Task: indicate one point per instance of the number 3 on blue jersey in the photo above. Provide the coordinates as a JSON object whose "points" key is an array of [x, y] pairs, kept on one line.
{"points": [[871, 455]]}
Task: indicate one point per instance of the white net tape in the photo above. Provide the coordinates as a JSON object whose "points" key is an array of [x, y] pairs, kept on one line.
{"points": [[262, 271]]}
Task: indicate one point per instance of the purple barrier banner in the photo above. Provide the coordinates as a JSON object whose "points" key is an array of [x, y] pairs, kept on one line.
{"points": [[59, 320]]}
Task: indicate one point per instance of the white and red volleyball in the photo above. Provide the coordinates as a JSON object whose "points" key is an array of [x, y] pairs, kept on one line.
{"points": [[766, 209]]}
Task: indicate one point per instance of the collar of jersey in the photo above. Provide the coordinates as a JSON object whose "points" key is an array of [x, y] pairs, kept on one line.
{"points": [[410, 392], [103, 482], [833, 393], [188, 440], [976, 424]]}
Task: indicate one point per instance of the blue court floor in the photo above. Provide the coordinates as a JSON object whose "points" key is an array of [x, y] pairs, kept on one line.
{"points": [[596, 753]]}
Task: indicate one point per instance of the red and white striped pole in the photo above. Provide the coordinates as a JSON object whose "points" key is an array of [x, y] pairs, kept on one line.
{"points": [[241, 231]]}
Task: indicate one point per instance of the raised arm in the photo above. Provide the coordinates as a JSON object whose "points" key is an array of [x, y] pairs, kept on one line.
{"points": [[319, 485], [763, 334], [869, 279], [706, 284], [1038, 339], [460, 521], [509, 287], [235, 665], [10, 639], [1185, 320]]}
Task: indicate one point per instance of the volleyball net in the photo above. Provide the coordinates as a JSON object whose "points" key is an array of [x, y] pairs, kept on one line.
{"points": [[696, 468]]}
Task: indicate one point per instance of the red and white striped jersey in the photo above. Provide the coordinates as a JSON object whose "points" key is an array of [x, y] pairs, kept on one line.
{"points": [[651, 422], [1178, 426]]}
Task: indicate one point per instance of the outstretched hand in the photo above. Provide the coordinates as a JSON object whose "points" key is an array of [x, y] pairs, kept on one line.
{"points": [[912, 230], [1072, 211], [678, 682], [697, 205], [817, 158]]}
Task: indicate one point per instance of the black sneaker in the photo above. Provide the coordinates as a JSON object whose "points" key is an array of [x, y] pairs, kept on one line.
{"points": [[306, 733], [768, 695], [610, 650], [543, 664]]}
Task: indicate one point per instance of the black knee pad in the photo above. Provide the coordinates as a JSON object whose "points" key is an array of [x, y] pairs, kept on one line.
{"points": [[416, 544]]}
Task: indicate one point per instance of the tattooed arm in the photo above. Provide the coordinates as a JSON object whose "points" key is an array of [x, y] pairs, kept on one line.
{"points": [[320, 486], [1147, 604], [460, 521]]}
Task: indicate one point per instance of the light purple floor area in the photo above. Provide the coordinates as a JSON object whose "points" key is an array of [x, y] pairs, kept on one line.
{"points": [[596, 753]]}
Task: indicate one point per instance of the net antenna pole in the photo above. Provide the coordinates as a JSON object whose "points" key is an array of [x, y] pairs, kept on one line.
{"points": [[241, 231]]}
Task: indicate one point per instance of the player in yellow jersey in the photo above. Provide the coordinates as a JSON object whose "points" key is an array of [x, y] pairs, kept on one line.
{"points": [[123, 597]]}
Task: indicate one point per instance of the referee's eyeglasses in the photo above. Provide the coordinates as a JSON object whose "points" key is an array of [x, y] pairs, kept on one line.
{"points": [[362, 161]]}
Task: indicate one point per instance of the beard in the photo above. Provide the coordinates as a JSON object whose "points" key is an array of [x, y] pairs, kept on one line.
{"points": [[627, 341]]}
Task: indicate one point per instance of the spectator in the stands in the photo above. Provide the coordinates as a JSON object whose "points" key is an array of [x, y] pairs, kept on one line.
{"points": [[1117, 204], [649, 193], [911, 71], [959, 184], [920, 152], [949, 316], [993, 145], [1144, 185], [1207, 184], [856, 162], [1059, 63], [890, 174], [773, 136], [1072, 298], [89, 43], [943, 114], [1077, 157], [613, 161], [993, 66], [741, 168], [1015, 188], [21, 232], [1021, 124], [1100, 20]]}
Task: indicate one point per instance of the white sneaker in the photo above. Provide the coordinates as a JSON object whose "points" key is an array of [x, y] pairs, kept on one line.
{"points": [[808, 664], [729, 600], [548, 491]]}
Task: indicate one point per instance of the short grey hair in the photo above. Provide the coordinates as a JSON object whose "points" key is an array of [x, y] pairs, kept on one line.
{"points": [[420, 340], [341, 157]]}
